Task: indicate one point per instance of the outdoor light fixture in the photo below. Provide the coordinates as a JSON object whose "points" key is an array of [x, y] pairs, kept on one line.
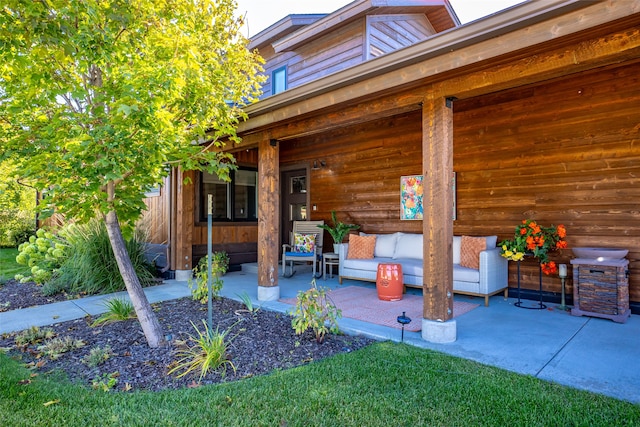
{"points": [[403, 320], [318, 164], [562, 273]]}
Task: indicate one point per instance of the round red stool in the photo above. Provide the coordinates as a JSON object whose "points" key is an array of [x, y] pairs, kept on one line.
{"points": [[389, 282]]}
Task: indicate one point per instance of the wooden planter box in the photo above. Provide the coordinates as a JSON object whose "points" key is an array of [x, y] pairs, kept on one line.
{"points": [[601, 289]]}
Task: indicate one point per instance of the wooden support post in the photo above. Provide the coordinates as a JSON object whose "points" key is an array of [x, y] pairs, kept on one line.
{"points": [[437, 163], [182, 239], [268, 219]]}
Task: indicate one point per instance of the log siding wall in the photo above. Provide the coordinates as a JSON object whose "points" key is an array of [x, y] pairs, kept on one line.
{"points": [[565, 151]]}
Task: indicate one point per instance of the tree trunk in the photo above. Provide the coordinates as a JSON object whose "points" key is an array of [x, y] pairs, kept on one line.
{"points": [[147, 318]]}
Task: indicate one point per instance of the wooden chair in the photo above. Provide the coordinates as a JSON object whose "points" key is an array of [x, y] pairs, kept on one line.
{"points": [[292, 254]]}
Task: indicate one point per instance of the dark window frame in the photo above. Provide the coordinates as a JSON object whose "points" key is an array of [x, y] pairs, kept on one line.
{"points": [[201, 202]]}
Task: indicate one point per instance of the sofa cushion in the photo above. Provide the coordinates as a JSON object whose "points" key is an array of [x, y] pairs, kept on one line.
{"points": [[364, 264], [456, 249], [408, 246], [304, 243], [411, 267], [361, 247], [464, 274], [470, 248], [385, 244], [492, 241]]}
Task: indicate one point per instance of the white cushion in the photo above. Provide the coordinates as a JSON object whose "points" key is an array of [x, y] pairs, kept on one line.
{"points": [[411, 267], [385, 244], [491, 241], [464, 274], [457, 240], [364, 264], [408, 246]]}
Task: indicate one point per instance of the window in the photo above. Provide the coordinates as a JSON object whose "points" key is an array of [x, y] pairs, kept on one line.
{"points": [[236, 200], [279, 80]]}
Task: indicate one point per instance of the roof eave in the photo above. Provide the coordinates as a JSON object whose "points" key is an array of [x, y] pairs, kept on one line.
{"points": [[511, 19], [347, 14]]}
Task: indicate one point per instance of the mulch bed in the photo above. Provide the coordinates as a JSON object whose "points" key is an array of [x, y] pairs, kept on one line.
{"points": [[261, 342]]}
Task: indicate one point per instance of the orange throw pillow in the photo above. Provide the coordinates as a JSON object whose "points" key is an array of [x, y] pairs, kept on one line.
{"points": [[470, 248], [361, 247]]}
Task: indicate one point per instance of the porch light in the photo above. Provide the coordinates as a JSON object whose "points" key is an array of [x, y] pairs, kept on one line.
{"points": [[318, 164], [403, 320]]}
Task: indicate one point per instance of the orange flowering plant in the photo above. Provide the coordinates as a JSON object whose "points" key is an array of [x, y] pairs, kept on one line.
{"points": [[532, 239]]}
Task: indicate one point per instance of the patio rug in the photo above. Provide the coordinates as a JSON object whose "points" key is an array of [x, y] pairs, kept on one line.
{"points": [[360, 303]]}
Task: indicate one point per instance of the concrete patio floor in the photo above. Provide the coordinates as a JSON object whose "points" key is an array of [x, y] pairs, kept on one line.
{"points": [[587, 353]]}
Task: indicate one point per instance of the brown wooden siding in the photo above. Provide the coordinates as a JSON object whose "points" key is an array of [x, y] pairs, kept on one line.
{"points": [[565, 151], [362, 174], [155, 219], [391, 29], [388, 33], [336, 51]]}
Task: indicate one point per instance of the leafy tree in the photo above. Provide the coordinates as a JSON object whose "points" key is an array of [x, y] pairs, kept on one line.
{"points": [[17, 208], [99, 98]]}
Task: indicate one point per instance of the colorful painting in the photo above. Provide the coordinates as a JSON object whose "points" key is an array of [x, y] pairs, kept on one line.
{"points": [[411, 192], [411, 197]]}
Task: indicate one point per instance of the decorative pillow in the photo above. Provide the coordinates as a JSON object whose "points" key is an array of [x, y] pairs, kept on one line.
{"points": [[361, 247], [470, 248], [385, 244], [304, 243], [409, 246]]}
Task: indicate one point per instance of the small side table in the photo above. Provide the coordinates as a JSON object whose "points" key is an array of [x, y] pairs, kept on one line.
{"points": [[329, 260]]}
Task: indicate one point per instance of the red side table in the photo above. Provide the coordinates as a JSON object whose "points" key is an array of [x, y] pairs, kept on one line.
{"points": [[389, 282]]}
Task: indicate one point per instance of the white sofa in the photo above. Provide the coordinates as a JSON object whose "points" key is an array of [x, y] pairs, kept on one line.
{"points": [[406, 249]]}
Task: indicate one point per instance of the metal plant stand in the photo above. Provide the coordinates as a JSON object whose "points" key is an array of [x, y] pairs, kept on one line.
{"points": [[538, 305]]}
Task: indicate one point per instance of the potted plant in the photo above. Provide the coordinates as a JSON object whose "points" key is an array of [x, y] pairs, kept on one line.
{"points": [[338, 230], [532, 239]]}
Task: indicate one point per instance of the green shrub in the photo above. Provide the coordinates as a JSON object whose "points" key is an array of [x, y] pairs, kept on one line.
{"points": [[209, 351], [91, 266], [33, 335], [15, 227], [98, 355], [56, 347], [17, 207], [105, 382], [118, 309], [44, 253], [246, 300], [219, 266], [315, 310]]}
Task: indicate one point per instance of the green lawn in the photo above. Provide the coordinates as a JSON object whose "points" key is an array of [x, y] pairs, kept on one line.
{"points": [[385, 384], [8, 265]]}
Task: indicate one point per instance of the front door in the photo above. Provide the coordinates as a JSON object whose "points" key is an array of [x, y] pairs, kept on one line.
{"points": [[294, 201]]}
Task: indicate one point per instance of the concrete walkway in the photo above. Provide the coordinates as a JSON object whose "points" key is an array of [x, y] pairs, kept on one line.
{"points": [[583, 352]]}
